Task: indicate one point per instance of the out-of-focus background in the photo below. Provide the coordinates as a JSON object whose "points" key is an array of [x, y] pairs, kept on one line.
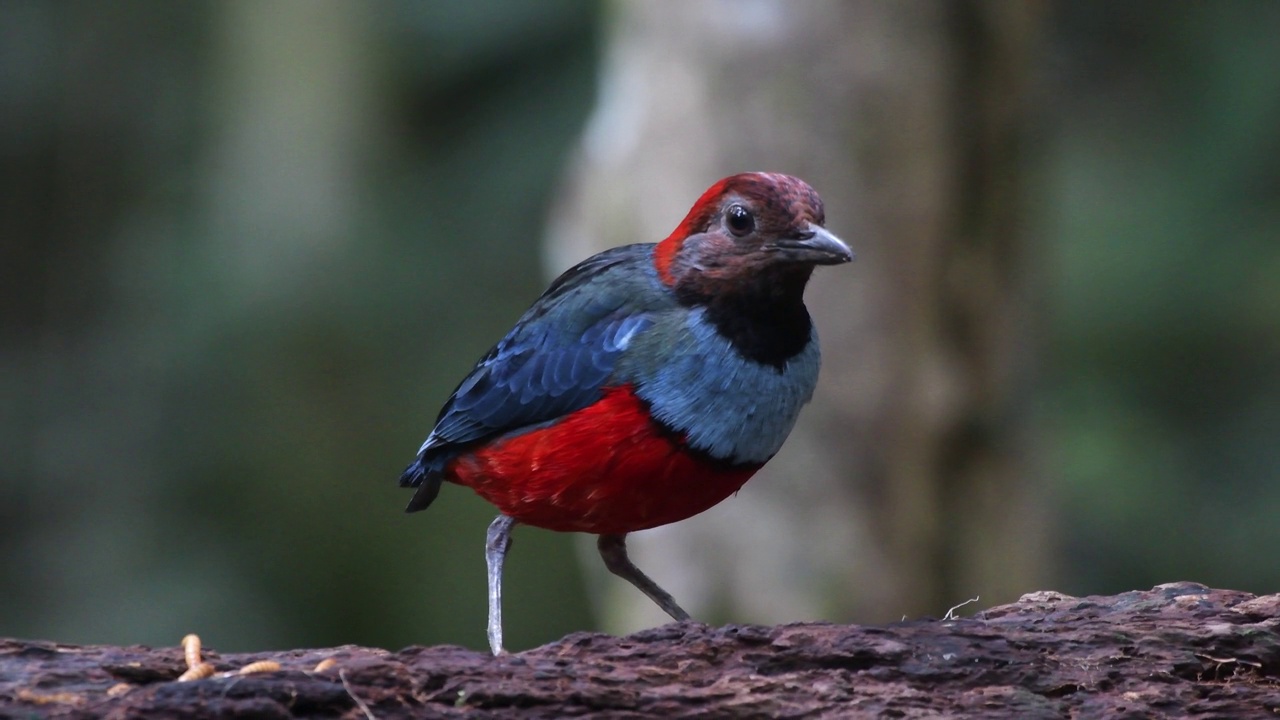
{"points": [[247, 249]]}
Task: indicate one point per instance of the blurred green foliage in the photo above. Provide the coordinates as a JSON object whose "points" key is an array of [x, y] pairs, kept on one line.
{"points": [[209, 395], [1164, 255]]}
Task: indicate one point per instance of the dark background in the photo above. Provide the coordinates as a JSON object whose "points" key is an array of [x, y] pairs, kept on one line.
{"points": [[247, 249]]}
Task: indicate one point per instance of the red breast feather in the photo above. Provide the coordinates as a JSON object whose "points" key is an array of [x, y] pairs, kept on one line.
{"points": [[606, 469]]}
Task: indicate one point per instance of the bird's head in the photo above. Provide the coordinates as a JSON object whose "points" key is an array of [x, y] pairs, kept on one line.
{"points": [[749, 230]]}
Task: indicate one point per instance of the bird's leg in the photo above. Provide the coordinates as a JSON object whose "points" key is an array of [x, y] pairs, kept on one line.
{"points": [[497, 542], [613, 549]]}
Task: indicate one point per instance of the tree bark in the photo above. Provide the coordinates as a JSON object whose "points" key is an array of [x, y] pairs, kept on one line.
{"points": [[1179, 650]]}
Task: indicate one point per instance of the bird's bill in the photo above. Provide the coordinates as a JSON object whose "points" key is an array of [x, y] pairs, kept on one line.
{"points": [[817, 246]]}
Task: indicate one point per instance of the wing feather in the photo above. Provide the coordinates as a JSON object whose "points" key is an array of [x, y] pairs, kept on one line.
{"points": [[557, 359]]}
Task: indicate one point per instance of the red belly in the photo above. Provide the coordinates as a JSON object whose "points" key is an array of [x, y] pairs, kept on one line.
{"points": [[604, 469]]}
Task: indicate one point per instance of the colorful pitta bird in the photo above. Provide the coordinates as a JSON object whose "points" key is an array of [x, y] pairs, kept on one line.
{"points": [[647, 384]]}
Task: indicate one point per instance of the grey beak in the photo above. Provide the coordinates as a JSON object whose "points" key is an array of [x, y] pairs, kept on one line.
{"points": [[817, 246]]}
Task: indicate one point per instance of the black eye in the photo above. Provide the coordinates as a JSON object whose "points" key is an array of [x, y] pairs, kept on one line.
{"points": [[740, 220]]}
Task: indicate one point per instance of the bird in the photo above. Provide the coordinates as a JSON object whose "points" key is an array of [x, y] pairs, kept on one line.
{"points": [[648, 382]]}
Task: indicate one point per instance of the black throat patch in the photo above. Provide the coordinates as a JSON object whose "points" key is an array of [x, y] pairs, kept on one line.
{"points": [[764, 319]]}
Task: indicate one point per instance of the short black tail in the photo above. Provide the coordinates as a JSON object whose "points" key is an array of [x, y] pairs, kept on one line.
{"points": [[427, 482]]}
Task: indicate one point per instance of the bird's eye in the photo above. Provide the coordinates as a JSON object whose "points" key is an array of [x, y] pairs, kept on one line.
{"points": [[741, 221]]}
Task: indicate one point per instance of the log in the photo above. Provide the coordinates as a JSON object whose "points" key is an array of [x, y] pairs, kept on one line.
{"points": [[1178, 650]]}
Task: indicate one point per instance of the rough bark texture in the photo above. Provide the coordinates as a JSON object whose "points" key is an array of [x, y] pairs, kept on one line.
{"points": [[1179, 650]]}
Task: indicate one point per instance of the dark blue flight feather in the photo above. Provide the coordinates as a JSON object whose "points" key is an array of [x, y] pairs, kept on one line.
{"points": [[557, 359]]}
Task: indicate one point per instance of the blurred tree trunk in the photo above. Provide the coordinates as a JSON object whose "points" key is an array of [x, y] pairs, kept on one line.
{"points": [[907, 487]]}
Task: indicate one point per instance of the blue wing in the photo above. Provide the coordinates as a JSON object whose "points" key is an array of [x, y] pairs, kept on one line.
{"points": [[557, 359]]}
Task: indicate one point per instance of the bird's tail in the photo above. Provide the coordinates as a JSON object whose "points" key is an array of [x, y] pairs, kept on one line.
{"points": [[426, 479]]}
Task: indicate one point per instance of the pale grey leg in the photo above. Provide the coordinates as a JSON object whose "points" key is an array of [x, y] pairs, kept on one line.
{"points": [[497, 542], [613, 548]]}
